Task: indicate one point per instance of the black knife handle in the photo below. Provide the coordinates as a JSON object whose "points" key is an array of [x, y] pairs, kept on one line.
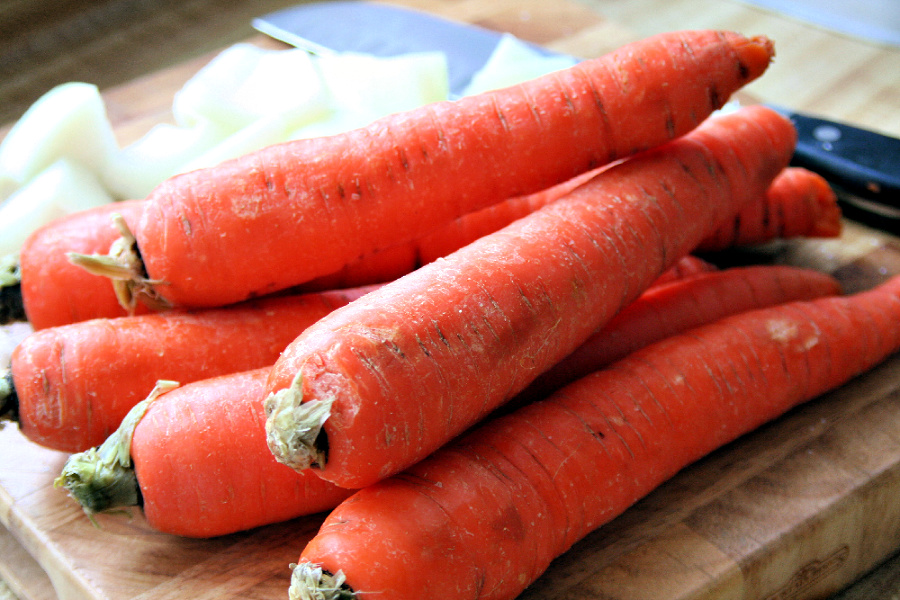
{"points": [[863, 162]]}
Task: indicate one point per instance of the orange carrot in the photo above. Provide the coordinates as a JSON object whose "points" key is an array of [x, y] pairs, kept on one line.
{"points": [[70, 386], [381, 383], [56, 292], [687, 266], [292, 212], [484, 517], [387, 264], [670, 308], [799, 204], [159, 459]]}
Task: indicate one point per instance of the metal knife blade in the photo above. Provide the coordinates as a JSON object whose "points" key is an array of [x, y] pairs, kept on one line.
{"points": [[863, 165], [384, 30]]}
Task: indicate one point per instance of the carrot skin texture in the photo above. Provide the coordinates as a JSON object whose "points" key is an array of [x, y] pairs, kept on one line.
{"points": [[203, 466], [800, 203], [76, 382], [311, 206], [519, 491], [56, 292], [419, 360], [670, 308], [388, 264]]}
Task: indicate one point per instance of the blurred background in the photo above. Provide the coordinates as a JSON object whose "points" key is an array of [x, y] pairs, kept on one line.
{"points": [[108, 42]]}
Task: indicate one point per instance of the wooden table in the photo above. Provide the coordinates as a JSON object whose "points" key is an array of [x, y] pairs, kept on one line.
{"points": [[799, 509]]}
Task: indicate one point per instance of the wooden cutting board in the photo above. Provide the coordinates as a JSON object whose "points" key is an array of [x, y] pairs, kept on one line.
{"points": [[798, 509]]}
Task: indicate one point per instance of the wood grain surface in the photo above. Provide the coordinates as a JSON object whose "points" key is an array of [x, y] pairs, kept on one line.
{"points": [[799, 509]]}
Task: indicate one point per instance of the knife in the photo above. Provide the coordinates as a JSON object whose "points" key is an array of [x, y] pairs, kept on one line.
{"points": [[863, 166], [384, 30]]}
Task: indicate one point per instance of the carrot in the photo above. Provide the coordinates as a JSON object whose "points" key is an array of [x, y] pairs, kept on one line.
{"points": [[687, 266], [484, 517], [394, 262], [387, 264], [800, 203], [670, 308], [70, 386], [55, 292], [159, 459], [292, 212], [379, 384]]}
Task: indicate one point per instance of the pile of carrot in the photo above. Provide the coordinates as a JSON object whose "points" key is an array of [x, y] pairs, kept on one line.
{"points": [[498, 505], [478, 327]]}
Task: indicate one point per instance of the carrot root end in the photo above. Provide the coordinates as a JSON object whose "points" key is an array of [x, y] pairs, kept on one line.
{"points": [[294, 427], [310, 582]]}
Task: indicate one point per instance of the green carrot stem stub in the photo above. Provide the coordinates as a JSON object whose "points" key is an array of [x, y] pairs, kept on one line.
{"points": [[102, 478]]}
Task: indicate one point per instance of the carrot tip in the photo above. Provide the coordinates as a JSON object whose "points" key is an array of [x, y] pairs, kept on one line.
{"points": [[294, 428], [102, 478], [309, 582]]}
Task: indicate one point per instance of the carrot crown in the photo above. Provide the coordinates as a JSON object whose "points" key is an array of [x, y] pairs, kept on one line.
{"points": [[309, 582], [102, 478], [123, 265], [294, 428]]}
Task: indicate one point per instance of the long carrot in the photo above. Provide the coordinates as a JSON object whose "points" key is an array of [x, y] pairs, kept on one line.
{"points": [[160, 459], [70, 386], [292, 212], [383, 382], [484, 517], [56, 292], [667, 309], [799, 204]]}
